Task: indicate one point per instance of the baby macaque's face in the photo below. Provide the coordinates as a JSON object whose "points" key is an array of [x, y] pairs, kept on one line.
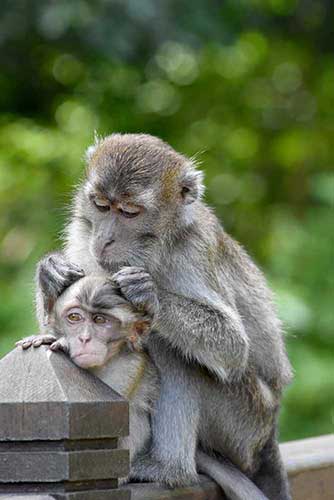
{"points": [[95, 320], [90, 335]]}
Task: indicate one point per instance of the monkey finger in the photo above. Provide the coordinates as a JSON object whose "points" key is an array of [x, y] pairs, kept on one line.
{"points": [[133, 279], [26, 342], [73, 267], [130, 273], [60, 276], [140, 291], [130, 270], [37, 342], [26, 345], [43, 339], [57, 268], [59, 345], [55, 346], [70, 270]]}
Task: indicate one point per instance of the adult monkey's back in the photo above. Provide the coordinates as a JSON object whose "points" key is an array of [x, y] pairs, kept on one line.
{"points": [[140, 206]]}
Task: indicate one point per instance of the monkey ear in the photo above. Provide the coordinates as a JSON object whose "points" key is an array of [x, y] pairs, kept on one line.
{"points": [[123, 313], [142, 327], [192, 187]]}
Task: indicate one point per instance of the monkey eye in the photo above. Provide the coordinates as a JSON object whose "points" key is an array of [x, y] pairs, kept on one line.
{"points": [[129, 212], [99, 319], [74, 317], [102, 204]]}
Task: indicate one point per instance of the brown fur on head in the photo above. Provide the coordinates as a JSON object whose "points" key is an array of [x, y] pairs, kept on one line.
{"points": [[141, 161], [138, 193]]}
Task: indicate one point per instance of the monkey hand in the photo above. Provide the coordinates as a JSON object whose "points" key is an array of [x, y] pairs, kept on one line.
{"points": [[60, 345], [35, 341], [137, 286], [149, 468], [55, 274]]}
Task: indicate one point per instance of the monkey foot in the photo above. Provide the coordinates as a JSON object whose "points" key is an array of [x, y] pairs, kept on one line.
{"points": [[146, 468]]}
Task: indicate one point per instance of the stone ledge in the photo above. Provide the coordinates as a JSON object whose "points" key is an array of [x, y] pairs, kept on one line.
{"points": [[73, 419], [309, 463]]}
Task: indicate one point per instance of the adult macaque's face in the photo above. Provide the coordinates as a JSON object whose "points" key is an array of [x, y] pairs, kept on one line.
{"points": [[131, 196], [122, 227]]}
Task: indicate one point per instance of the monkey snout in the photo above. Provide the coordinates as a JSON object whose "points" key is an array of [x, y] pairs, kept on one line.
{"points": [[108, 244], [84, 340]]}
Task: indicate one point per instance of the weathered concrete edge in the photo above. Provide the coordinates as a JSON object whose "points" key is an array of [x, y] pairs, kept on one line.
{"points": [[313, 454], [308, 454]]}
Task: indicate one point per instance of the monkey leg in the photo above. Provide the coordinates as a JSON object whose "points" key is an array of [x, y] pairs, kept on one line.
{"points": [[271, 476], [176, 417]]}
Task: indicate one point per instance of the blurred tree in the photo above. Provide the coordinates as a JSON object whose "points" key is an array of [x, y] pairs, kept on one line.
{"points": [[246, 87]]}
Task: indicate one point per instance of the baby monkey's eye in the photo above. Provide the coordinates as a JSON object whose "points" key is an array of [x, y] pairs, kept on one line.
{"points": [[74, 317], [99, 319]]}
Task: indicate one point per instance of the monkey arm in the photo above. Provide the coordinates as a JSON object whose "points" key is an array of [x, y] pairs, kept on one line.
{"points": [[210, 334], [214, 336]]}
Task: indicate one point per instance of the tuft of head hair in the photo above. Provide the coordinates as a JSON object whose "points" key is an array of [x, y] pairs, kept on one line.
{"points": [[92, 148], [121, 142], [129, 162], [192, 186]]}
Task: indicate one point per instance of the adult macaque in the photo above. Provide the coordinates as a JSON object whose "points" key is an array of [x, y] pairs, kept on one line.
{"points": [[102, 332], [140, 207]]}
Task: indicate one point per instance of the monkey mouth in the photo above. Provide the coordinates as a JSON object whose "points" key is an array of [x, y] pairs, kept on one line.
{"points": [[88, 359]]}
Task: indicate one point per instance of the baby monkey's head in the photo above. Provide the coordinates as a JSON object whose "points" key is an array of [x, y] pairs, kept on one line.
{"points": [[96, 321]]}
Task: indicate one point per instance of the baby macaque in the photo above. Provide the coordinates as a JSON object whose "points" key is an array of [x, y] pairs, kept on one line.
{"points": [[102, 332]]}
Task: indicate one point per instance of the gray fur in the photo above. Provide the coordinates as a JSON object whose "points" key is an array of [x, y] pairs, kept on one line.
{"points": [[215, 309], [134, 375]]}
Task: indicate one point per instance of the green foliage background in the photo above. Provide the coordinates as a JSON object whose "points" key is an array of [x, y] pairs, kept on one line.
{"points": [[247, 86]]}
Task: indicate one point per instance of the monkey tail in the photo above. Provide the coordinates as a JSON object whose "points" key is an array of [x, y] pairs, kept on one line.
{"points": [[235, 484]]}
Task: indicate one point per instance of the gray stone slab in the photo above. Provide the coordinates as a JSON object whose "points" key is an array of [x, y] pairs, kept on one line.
{"points": [[307, 454], [310, 465], [43, 395], [96, 495], [205, 490], [33, 488], [28, 497], [82, 495], [48, 466]]}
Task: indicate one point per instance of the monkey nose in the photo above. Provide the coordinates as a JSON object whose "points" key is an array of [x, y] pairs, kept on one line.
{"points": [[84, 340], [108, 243]]}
